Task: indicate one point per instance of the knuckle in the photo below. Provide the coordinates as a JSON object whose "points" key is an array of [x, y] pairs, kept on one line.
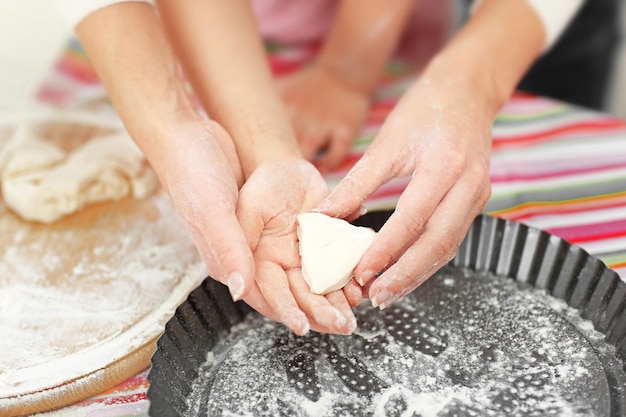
{"points": [[385, 254], [406, 280], [415, 225], [456, 160], [446, 246], [486, 193], [379, 256], [480, 174], [221, 249], [400, 166], [480, 185], [478, 182]]}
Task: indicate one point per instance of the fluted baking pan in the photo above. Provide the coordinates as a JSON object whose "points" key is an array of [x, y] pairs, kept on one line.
{"points": [[519, 323]]}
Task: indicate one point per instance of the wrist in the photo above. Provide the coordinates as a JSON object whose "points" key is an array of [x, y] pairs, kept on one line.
{"points": [[259, 141], [357, 78], [362, 40], [491, 53], [468, 78], [129, 51]]}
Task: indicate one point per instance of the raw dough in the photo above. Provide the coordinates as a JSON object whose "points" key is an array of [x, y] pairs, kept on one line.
{"points": [[42, 182], [330, 250]]}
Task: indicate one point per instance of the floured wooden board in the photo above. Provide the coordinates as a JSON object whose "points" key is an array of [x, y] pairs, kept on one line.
{"points": [[83, 300]]}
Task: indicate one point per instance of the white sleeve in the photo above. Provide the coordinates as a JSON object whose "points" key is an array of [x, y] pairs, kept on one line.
{"points": [[73, 11], [554, 14]]}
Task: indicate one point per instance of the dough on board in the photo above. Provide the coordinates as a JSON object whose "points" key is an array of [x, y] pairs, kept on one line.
{"points": [[41, 182], [330, 249]]}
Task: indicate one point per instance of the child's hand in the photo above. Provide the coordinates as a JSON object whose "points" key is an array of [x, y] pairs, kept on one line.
{"points": [[440, 136], [326, 113], [269, 202]]}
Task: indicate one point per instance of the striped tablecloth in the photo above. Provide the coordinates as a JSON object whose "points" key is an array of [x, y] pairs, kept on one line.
{"points": [[554, 166]]}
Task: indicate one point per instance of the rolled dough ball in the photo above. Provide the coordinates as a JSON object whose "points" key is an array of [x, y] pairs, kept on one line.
{"points": [[41, 182], [330, 249]]}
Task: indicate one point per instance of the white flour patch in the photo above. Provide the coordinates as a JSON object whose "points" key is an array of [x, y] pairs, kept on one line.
{"points": [[69, 313]]}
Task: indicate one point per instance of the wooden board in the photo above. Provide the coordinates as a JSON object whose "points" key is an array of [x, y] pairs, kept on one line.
{"points": [[83, 300]]}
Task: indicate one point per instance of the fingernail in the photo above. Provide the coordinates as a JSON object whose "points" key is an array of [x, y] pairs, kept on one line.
{"points": [[303, 326], [387, 303], [353, 325], [383, 305], [366, 276], [296, 320], [236, 285], [340, 320], [381, 299], [362, 211]]}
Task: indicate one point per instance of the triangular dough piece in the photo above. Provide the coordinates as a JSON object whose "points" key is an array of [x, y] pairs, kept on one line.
{"points": [[330, 249]]}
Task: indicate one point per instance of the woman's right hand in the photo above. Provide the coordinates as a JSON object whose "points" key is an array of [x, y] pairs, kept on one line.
{"points": [[199, 168], [202, 175], [194, 158]]}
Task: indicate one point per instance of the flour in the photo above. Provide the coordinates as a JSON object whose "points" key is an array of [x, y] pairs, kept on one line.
{"points": [[475, 346], [84, 292], [87, 303]]}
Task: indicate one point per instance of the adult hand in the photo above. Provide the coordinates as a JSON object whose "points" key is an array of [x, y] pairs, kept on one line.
{"points": [[238, 91], [326, 113], [199, 168], [195, 159], [269, 201], [439, 134]]}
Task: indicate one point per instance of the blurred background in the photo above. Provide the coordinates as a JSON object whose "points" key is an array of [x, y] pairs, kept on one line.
{"points": [[32, 35]]}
